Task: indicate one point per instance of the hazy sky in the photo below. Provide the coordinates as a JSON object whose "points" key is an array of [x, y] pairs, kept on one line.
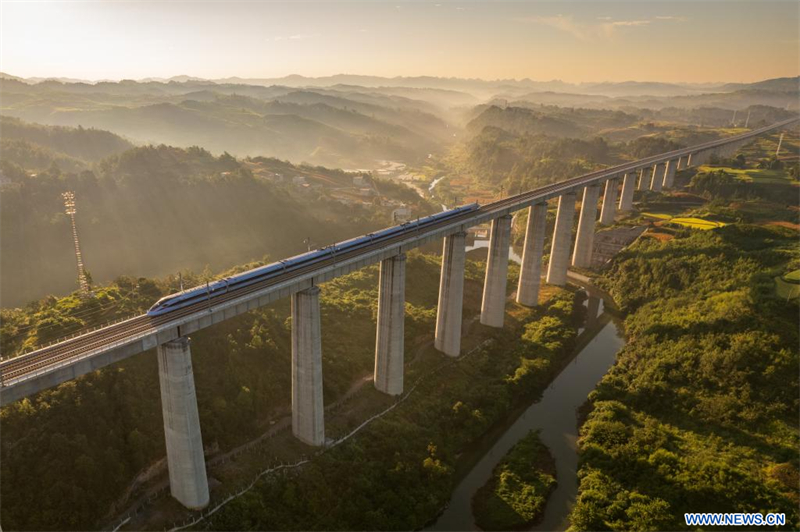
{"points": [[572, 41]]}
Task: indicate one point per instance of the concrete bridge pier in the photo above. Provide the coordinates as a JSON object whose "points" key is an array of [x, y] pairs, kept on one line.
{"points": [[644, 178], [562, 237], [493, 307], [451, 295], [669, 173], [682, 162], [388, 377], [308, 413], [531, 270], [584, 239], [658, 177], [626, 197], [185, 458], [609, 202]]}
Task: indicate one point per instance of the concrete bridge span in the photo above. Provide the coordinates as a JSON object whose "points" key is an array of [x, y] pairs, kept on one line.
{"points": [[49, 366]]}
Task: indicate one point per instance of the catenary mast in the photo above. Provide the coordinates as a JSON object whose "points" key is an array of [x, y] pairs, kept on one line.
{"points": [[69, 208]]}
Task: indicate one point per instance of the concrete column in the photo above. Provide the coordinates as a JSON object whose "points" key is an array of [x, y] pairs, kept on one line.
{"points": [[609, 203], [531, 270], [626, 198], [451, 295], [185, 459], [493, 307], [644, 178], [562, 236], [669, 173], [682, 162], [388, 376], [658, 177], [691, 160], [308, 413], [582, 257]]}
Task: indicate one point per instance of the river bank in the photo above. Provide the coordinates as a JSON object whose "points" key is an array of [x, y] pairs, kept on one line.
{"points": [[554, 415]]}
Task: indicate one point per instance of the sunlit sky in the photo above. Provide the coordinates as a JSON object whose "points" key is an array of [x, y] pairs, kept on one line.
{"points": [[572, 41]]}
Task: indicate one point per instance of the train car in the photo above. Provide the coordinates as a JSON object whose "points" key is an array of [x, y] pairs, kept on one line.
{"points": [[212, 290]]}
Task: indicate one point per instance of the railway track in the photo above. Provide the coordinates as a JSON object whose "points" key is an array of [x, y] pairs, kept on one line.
{"points": [[79, 346]]}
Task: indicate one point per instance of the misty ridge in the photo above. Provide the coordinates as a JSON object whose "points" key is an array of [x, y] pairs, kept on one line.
{"points": [[203, 175], [348, 121]]}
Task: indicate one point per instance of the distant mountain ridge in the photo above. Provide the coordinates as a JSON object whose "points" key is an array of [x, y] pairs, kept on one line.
{"points": [[340, 126], [624, 88], [347, 121]]}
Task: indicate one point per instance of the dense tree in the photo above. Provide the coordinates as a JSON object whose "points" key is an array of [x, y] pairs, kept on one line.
{"points": [[700, 412]]}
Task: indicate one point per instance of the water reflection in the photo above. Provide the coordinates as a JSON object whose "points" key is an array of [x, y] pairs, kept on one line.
{"points": [[481, 244]]}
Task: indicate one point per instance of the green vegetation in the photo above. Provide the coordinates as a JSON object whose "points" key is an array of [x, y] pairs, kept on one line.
{"points": [[400, 470], [516, 494], [37, 147], [751, 175], [348, 128], [80, 445], [700, 412], [775, 185], [516, 148], [155, 210]]}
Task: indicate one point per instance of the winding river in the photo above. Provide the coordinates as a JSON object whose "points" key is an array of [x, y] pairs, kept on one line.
{"points": [[555, 416]]}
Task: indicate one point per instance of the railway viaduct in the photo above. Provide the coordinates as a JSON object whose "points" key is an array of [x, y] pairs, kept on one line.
{"points": [[65, 360]]}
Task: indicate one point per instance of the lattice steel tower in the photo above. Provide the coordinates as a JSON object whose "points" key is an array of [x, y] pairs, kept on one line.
{"points": [[69, 208]]}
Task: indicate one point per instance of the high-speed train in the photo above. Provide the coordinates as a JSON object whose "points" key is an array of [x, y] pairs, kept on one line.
{"points": [[209, 292]]}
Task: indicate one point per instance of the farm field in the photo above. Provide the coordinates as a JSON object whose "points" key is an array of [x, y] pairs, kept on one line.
{"points": [[769, 143], [693, 223], [754, 175], [792, 277]]}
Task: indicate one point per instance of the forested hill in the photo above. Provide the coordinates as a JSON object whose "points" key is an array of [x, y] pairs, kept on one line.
{"points": [[155, 210], [516, 147], [37, 146], [700, 412], [347, 127]]}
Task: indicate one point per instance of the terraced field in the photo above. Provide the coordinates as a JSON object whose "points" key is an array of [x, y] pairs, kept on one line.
{"points": [[694, 223]]}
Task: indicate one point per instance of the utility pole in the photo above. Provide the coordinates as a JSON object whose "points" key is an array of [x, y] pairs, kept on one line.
{"points": [[70, 210], [780, 141]]}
